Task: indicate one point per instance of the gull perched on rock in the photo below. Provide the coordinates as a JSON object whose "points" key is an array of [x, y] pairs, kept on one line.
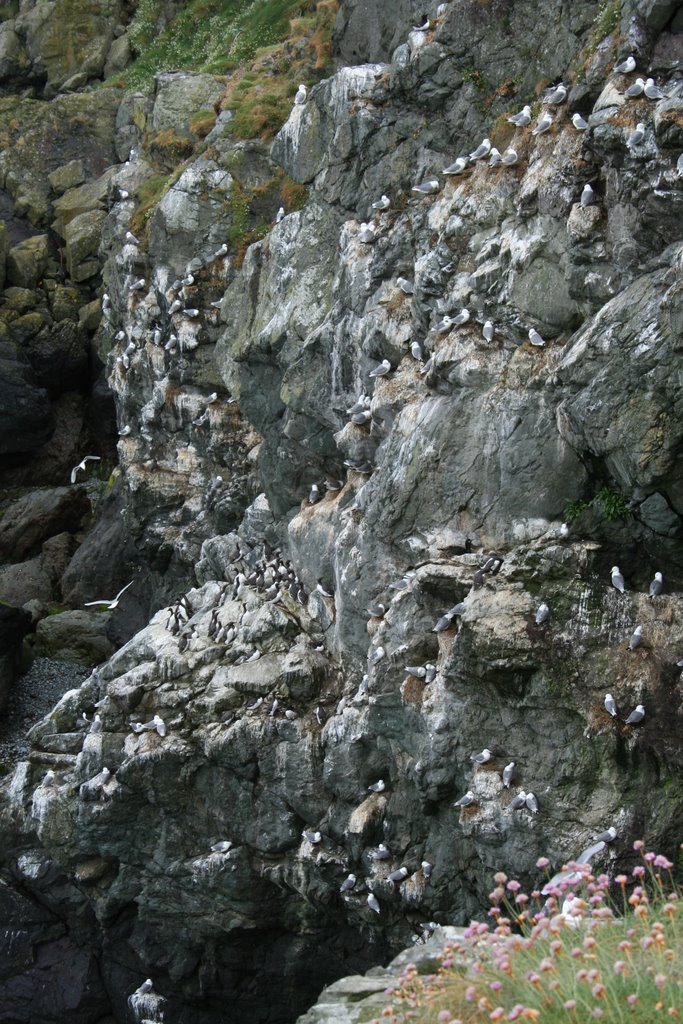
{"points": [[509, 157], [399, 875], [427, 188], [535, 338], [466, 800], [522, 119], [415, 350], [381, 370], [679, 166], [557, 95], [637, 88], [221, 252], [508, 772], [366, 233], [579, 122], [223, 846], [113, 603], [457, 167], [488, 331], [382, 203], [532, 803], [372, 902], [131, 239], [378, 787], [311, 837], [143, 989], [495, 157], [482, 150], [300, 97], [279, 215], [626, 66], [657, 585], [636, 716], [543, 613], [518, 801], [617, 579], [636, 136], [607, 837], [610, 705], [406, 286], [587, 196], [543, 124], [652, 91], [348, 883], [81, 465], [482, 757], [636, 638]]}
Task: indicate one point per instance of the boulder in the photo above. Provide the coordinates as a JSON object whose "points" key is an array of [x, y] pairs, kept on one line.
{"points": [[68, 176], [24, 582], [78, 636], [27, 261], [82, 235], [30, 520], [14, 625], [26, 418]]}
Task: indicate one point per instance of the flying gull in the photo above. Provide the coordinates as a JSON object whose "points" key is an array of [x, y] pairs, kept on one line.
{"points": [[81, 465], [110, 604]]}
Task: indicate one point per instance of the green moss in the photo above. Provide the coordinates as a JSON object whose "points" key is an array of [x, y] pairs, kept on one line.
{"points": [[9, 10], [609, 503], [607, 20], [148, 195], [474, 77]]}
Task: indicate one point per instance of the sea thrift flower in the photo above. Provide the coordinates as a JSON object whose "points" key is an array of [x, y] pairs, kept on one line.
{"points": [[660, 980], [649, 857], [513, 886], [639, 844], [597, 1012], [598, 991], [632, 999], [570, 1004], [542, 862], [662, 862], [500, 878], [497, 1014], [621, 880], [444, 1017], [470, 993], [638, 871], [620, 967], [516, 1011], [495, 986]]}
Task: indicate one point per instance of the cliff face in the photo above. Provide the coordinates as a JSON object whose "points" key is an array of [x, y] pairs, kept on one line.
{"points": [[283, 701]]}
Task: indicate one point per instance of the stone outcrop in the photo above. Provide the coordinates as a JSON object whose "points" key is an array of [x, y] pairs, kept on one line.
{"points": [[234, 347]]}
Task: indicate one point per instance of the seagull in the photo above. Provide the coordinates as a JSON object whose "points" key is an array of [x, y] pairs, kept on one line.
{"points": [[522, 119], [377, 787], [427, 868], [508, 772], [159, 725], [679, 166], [466, 800], [406, 286], [636, 638], [636, 89], [381, 370], [382, 204], [123, 193], [348, 883], [427, 188], [125, 431], [482, 757], [49, 779], [636, 716], [509, 157], [221, 252], [138, 285], [279, 215], [488, 331], [444, 325], [607, 837], [191, 312], [543, 613], [495, 157], [416, 351], [381, 853], [221, 847], [557, 96], [462, 318], [626, 66], [130, 237], [587, 195], [457, 167], [543, 124], [143, 989], [300, 97], [652, 91], [376, 610], [610, 705], [535, 338], [636, 136], [518, 801], [113, 603], [532, 803], [81, 465], [657, 585], [617, 579], [366, 233], [313, 494], [579, 122], [372, 902], [376, 656], [312, 837], [482, 150], [398, 876]]}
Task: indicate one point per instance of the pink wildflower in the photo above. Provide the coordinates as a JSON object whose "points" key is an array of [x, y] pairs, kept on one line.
{"points": [[621, 880], [638, 871], [597, 1012], [542, 862], [662, 862], [570, 1004], [516, 1011], [497, 1014], [521, 898], [546, 964], [444, 1017], [598, 991], [620, 967], [470, 993], [496, 986], [632, 999], [649, 857], [660, 980], [513, 886], [639, 844], [500, 878]]}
